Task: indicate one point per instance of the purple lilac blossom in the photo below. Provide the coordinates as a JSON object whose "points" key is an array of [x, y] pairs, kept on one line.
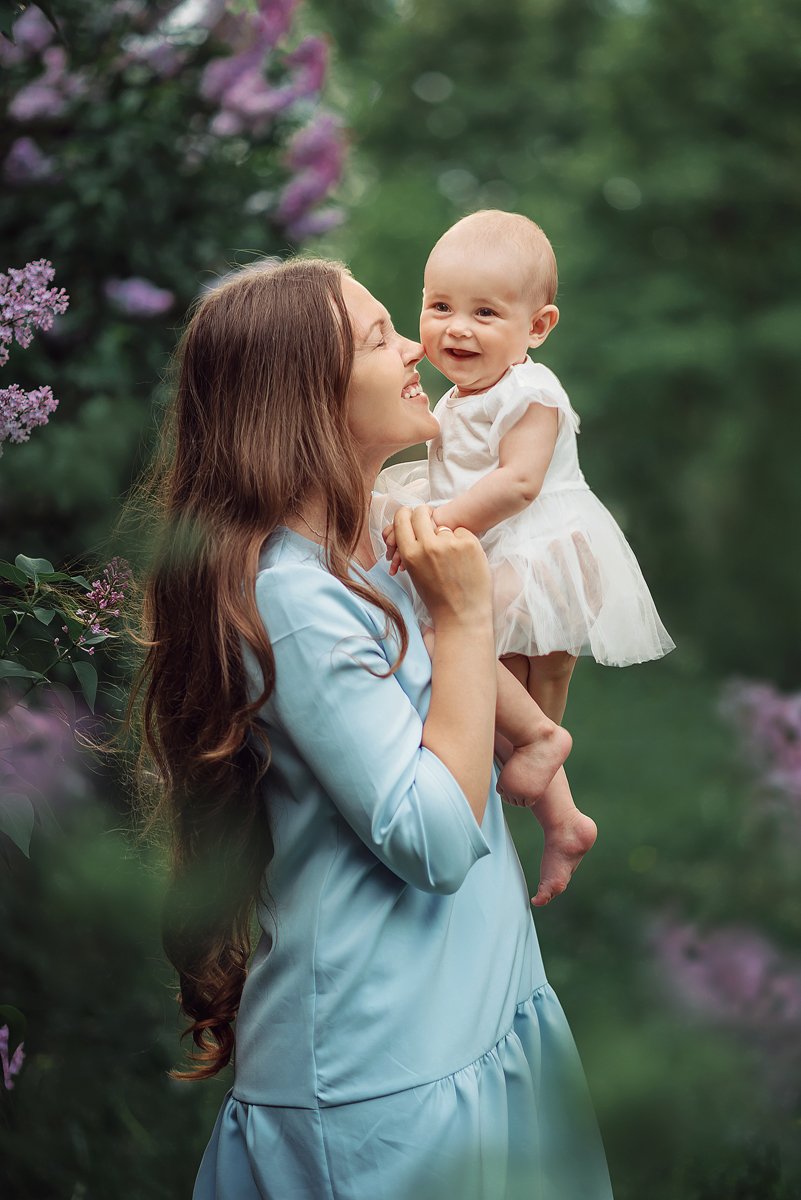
{"points": [[47, 96], [22, 411], [27, 302], [733, 976], [316, 153], [315, 224], [770, 723], [38, 750], [13, 1066], [137, 297], [277, 16], [310, 61], [104, 597], [31, 32], [35, 101], [25, 163]]}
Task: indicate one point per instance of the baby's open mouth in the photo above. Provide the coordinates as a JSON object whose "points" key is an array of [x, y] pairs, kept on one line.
{"points": [[461, 353]]}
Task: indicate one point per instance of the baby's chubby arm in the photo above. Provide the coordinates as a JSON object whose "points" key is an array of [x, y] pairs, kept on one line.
{"points": [[524, 456]]}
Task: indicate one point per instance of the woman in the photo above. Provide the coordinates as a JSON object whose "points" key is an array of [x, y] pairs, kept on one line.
{"points": [[395, 1033]]}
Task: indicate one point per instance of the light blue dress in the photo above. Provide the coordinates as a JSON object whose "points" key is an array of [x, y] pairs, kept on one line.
{"points": [[397, 1038]]}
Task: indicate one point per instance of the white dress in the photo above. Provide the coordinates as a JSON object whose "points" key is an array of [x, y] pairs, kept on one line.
{"points": [[564, 576]]}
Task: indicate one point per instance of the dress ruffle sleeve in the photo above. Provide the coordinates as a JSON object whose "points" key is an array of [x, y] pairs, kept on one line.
{"points": [[525, 383]]}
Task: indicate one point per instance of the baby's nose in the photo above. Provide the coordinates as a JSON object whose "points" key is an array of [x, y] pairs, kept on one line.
{"points": [[458, 327]]}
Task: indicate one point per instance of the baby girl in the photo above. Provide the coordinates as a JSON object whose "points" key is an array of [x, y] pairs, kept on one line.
{"points": [[505, 466]]}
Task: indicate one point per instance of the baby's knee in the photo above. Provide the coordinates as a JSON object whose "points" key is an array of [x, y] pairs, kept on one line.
{"points": [[554, 667]]}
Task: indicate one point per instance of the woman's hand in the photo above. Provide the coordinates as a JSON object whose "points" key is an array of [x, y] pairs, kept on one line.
{"points": [[448, 567]]}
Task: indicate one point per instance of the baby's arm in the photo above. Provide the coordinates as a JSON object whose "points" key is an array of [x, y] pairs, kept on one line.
{"points": [[524, 456]]}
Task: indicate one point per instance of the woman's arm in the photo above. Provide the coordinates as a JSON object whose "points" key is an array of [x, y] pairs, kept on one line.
{"points": [[525, 454], [451, 573], [357, 733]]}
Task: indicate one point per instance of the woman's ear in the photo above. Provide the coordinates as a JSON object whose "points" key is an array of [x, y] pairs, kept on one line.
{"points": [[544, 320]]}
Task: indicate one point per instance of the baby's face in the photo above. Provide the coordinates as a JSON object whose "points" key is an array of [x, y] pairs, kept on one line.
{"points": [[475, 320]]}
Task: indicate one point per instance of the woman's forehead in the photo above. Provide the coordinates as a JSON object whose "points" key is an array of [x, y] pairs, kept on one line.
{"points": [[362, 305]]}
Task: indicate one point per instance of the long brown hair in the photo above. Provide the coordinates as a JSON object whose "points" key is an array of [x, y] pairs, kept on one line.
{"points": [[257, 423]]}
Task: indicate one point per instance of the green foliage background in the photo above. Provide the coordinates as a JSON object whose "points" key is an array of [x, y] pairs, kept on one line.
{"points": [[657, 143]]}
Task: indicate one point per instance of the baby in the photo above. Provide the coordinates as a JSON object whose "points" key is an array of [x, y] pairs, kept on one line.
{"points": [[505, 466]]}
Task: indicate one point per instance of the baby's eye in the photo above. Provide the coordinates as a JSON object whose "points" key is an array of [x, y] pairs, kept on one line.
{"points": [[486, 312], [440, 306]]}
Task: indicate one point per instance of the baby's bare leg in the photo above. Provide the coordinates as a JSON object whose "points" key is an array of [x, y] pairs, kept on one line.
{"points": [[532, 746], [569, 833], [548, 681]]}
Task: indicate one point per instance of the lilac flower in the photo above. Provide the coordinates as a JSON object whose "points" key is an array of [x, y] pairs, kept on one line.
{"points": [[277, 15], [27, 302], [21, 411], [35, 101], [314, 224], [32, 31], [13, 1067], [38, 751], [310, 60], [733, 976], [104, 598], [137, 297], [317, 153], [25, 163], [770, 723]]}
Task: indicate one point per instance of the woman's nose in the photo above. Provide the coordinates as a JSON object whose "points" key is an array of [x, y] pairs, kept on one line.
{"points": [[412, 351]]}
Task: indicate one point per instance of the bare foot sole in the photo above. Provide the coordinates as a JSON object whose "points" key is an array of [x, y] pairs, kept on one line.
{"points": [[565, 846], [531, 768]]}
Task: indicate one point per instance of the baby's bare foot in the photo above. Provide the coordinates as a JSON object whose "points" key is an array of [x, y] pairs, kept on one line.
{"points": [[566, 843], [531, 768]]}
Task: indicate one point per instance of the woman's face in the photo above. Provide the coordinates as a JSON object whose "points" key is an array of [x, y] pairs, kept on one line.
{"points": [[387, 409]]}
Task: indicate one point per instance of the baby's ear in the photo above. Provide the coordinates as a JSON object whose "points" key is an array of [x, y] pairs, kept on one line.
{"points": [[542, 322]]}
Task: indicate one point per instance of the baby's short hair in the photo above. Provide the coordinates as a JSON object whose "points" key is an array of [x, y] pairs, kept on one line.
{"points": [[489, 226]]}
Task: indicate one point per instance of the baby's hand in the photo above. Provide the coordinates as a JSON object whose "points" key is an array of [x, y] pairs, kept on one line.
{"points": [[388, 534]]}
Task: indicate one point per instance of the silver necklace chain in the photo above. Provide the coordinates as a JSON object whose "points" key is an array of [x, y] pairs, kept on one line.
{"points": [[317, 533]]}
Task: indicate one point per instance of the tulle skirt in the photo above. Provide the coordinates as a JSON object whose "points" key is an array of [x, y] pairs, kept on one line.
{"points": [[564, 577]]}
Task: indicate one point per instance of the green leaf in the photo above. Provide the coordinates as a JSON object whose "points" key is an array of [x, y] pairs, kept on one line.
{"points": [[9, 12], [14, 670], [7, 571], [44, 615], [16, 819], [87, 678], [34, 567]]}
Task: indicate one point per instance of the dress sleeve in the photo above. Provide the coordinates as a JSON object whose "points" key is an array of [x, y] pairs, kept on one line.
{"points": [[358, 732], [527, 383]]}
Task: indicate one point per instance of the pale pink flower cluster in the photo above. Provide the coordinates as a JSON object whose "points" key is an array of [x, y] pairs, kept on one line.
{"points": [[733, 976], [316, 156], [38, 752], [22, 411], [103, 600], [138, 297], [244, 86], [12, 1066], [248, 102], [770, 724], [27, 303], [735, 979]]}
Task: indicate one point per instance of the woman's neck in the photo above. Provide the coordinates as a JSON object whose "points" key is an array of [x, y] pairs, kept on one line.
{"points": [[308, 519]]}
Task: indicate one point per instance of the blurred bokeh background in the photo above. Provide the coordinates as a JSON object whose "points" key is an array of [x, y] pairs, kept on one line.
{"points": [[145, 149]]}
